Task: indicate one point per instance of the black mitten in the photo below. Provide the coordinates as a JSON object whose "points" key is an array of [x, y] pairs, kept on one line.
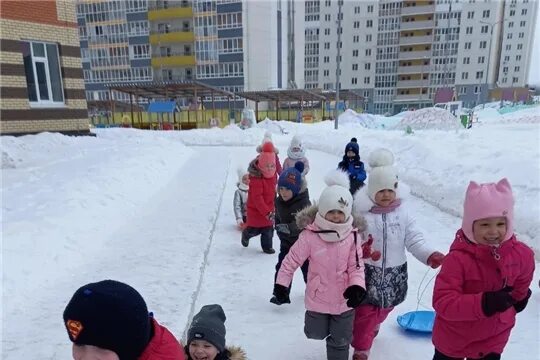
{"points": [[497, 301], [281, 294], [354, 294], [520, 305]]}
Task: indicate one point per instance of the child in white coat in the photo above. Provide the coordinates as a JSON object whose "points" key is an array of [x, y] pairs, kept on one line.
{"points": [[240, 198], [296, 152], [391, 230]]}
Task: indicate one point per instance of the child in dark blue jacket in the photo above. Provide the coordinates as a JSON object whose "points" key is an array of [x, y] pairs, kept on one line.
{"points": [[352, 165]]}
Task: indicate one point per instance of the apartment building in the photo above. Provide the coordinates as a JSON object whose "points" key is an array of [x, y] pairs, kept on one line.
{"points": [[231, 44], [413, 53], [41, 72]]}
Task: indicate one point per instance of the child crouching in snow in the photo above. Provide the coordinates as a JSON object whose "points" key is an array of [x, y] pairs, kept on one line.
{"points": [[391, 230], [335, 284], [206, 337], [108, 320], [484, 280], [240, 198]]}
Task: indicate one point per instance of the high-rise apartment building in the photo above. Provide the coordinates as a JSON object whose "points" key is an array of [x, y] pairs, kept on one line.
{"points": [[412, 53], [235, 45]]}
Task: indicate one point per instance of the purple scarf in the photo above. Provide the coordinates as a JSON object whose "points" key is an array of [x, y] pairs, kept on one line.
{"points": [[376, 209]]}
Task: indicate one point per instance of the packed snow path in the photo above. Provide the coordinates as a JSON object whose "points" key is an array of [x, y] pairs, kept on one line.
{"points": [[165, 225]]}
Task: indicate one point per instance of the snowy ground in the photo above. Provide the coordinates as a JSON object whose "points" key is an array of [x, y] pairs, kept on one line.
{"points": [[146, 209]]}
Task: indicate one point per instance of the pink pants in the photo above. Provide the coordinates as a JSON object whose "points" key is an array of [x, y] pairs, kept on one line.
{"points": [[367, 320]]}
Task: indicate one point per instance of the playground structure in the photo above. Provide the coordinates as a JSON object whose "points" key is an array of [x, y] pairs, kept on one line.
{"points": [[209, 106]]}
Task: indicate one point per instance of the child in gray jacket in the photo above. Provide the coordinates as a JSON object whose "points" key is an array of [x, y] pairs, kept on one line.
{"points": [[240, 198]]}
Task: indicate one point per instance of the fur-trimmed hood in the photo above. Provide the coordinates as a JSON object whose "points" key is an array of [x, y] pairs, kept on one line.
{"points": [[237, 353], [362, 203], [307, 216], [253, 169]]}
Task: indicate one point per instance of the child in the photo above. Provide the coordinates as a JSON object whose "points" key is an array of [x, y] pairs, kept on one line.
{"points": [[353, 166], [206, 337], [484, 280], [260, 202], [391, 230], [292, 197], [268, 138], [240, 198], [296, 152], [335, 283], [108, 320]]}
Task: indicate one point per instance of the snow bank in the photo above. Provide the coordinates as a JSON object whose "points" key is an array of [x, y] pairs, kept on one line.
{"points": [[365, 120], [429, 118]]}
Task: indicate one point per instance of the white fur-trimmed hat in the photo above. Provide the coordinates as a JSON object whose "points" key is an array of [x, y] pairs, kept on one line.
{"points": [[383, 174], [336, 196]]}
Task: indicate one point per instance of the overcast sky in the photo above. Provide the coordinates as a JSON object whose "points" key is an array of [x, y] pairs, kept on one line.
{"points": [[534, 75]]}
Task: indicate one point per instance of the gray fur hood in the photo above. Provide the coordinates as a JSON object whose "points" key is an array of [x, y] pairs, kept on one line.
{"points": [[307, 216]]}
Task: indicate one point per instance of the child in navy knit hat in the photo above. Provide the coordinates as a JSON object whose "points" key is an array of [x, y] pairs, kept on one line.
{"points": [[292, 197], [109, 320], [352, 165]]}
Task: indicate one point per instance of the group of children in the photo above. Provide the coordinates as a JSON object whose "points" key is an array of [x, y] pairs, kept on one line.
{"points": [[351, 246]]}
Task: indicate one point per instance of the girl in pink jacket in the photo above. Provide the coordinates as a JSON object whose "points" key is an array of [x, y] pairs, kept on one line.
{"points": [[485, 278], [335, 281]]}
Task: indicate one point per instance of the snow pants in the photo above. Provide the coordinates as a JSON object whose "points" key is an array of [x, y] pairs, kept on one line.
{"points": [[367, 320], [336, 329]]}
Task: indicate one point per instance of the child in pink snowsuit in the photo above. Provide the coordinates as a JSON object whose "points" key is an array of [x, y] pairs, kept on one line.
{"points": [[335, 280], [391, 230], [484, 281]]}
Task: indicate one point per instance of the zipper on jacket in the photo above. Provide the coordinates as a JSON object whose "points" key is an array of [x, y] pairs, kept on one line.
{"points": [[383, 260], [495, 254]]}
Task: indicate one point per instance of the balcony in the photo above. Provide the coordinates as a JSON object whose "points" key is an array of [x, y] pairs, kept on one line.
{"points": [[409, 55], [412, 84], [413, 97], [415, 69], [174, 60], [417, 25], [417, 10], [172, 37], [171, 13], [412, 40]]}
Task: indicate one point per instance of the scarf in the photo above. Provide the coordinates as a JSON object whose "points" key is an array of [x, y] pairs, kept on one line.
{"points": [[296, 155], [376, 209], [242, 186], [330, 231]]}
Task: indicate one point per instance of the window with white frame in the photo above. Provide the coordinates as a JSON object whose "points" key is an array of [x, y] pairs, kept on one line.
{"points": [[464, 75], [136, 6], [366, 80], [229, 20], [462, 90], [233, 45], [138, 28], [139, 51], [42, 70]]}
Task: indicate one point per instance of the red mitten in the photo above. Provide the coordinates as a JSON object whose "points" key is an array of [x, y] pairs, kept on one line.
{"points": [[435, 260], [368, 252]]}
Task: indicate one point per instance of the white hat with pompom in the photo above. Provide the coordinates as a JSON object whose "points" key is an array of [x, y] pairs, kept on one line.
{"points": [[336, 196], [383, 175]]}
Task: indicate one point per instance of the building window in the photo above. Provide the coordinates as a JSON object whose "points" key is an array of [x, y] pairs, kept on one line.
{"points": [[369, 23], [512, 12], [470, 15], [356, 38], [509, 36], [142, 51], [520, 46], [483, 44], [370, 8], [366, 80], [42, 70], [479, 74], [484, 29], [515, 79], [326, 31], [485, 14], [369, 38], [326, 45], [354, 81], [518, 57], [356, 24], [463, 90], [508, 47], [521, 35], [326, 59], [355, 67], [481, 59], [327, 17], [464, 76], [357, 9], [524, 12], [466, 60], [368, 52], [228, 46], [468, 30], [326, 72], [355, 53], [522, 23], [468, 45], [367, 66], [476, 89], [516, 69]]}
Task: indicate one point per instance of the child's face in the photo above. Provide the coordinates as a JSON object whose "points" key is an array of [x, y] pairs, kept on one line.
{"points": [[245, 179], [285, 193], [90, 352], [350, 154], [489, 231], [335, 216], [385, 197], [202, 350]]}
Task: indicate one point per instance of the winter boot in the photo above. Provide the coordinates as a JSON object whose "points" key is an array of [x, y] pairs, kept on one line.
{"points": [[245, 240], [267, 251], [360, 355]]}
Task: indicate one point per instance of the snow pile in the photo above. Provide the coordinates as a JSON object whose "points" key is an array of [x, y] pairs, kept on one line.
{"points": [[429, 118], [365, 120], [7, 161], [525, 116]]}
